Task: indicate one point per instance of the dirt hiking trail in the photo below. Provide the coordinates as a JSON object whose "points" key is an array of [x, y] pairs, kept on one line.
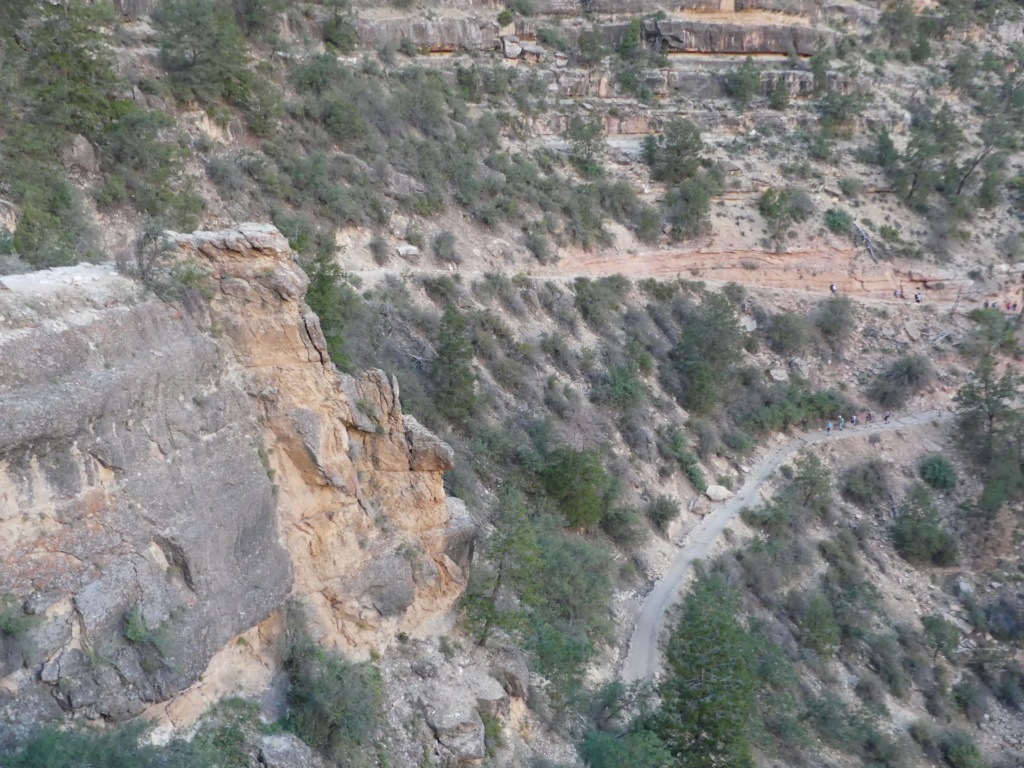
{"points": [[644, 654]]}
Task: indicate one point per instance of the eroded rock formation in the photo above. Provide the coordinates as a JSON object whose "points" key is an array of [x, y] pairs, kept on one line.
{"points": [[171, 472]]}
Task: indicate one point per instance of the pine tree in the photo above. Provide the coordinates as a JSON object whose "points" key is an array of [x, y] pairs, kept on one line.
{"points": [[451, 371], [780, 95], [709, 693]]}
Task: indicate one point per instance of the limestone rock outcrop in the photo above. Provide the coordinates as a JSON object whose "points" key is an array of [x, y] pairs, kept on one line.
{"points": [[171, 472]]}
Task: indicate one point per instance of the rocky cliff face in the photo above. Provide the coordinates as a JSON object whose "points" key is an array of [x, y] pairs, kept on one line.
{"points": [[170, 474]]}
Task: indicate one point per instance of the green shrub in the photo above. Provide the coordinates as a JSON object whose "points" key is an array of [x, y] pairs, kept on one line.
{"points": [[917, 535], [621, 387], [788, 333], [379, 250], [661, 511], [123, 747], [598, 300], [674, 447], [577, 481], [622, 524], [838, 221], [812, 613], [961, 751], [907, 376], [867, 483], [505, 18], [742, 83], [334, 705], [675, 156], [835, 319], [688, 206], [782, 209], [444, 247], [938, 472]]}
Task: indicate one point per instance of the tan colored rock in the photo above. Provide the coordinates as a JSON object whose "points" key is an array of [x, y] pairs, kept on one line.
{"points": [[718, 493]]}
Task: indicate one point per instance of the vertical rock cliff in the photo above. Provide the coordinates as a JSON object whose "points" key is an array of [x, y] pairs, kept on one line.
{"points": [[172, 472]]}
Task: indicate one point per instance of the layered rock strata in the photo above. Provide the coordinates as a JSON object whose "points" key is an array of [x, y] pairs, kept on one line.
{"points": [[172, 471]]}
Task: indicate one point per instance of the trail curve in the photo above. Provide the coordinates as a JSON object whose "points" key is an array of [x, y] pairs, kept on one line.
{"points": [[643, 654]]}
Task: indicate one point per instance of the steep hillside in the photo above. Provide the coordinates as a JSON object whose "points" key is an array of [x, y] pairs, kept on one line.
{"points": [[414, 471]]}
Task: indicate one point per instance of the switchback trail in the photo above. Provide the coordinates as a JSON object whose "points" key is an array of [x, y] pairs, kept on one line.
{"points": [[643, 655]]}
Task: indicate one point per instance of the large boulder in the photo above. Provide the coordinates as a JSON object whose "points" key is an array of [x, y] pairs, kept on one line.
{"points": [[718, 493]]}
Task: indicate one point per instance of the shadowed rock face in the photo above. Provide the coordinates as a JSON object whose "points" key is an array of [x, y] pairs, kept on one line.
{"points": [[169, 476]]}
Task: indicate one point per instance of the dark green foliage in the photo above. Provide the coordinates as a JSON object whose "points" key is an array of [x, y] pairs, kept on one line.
{"points": [[444, 247], [961, 751], [688, 206], [621, 387], [743, 83], [917, 534], [107, 748], [14, 622], [703, 357], [779, 98], [513, 554], [866, 484], [334, 302], [586, 140], [835, 320], [334, 705], [61, 80], [839, 221], [782, 209], [941, 636], [577, 481], [788, 333], [905, 377], [938, 472], [812, 613], [675, 156], [622, 525], [605, 750], [709, 694], [662, 511], [674, 447], [599, 300], [203, 51], [451, 370]]}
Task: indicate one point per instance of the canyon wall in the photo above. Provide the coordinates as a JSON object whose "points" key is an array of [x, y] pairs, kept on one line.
{"points": [[171, 472]]}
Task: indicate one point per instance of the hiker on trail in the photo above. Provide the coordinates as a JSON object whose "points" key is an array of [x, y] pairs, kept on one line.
{"points": [[828, 428], [841, 422], [986, 305], [895, 294], [853, 420], [887, 414], [869, 419], [917, 297], [833, 287]]}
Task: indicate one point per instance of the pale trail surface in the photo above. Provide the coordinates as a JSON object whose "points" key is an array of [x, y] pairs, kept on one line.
{"points": [[644, 656]]}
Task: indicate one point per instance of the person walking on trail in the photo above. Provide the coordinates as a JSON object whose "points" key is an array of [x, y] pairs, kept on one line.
{"points": [[895, 294], [828, 428], [833, 288], [986, 305], [853, 420], [841, 422], [887, 415], [869, 419], [917, 297]]}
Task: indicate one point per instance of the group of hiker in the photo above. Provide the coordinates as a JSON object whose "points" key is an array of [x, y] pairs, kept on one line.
{"points": [[1010, 306], [898, 294], [868, 419]]}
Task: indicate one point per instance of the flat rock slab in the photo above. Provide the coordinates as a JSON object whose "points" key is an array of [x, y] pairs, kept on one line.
{"points": [[718, 493]]}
